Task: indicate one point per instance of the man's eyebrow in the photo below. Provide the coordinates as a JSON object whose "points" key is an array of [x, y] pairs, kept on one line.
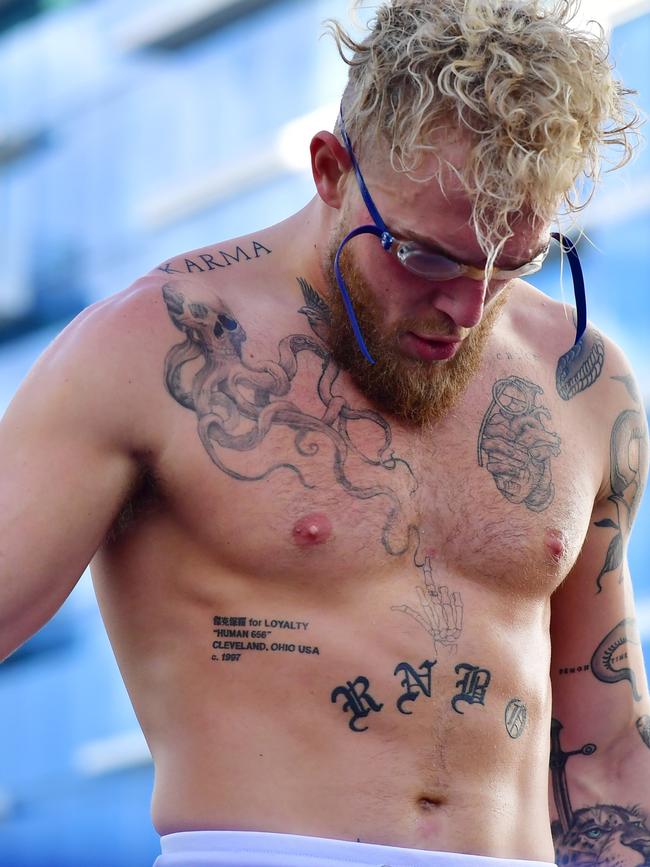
{"points": [[407, 235]]}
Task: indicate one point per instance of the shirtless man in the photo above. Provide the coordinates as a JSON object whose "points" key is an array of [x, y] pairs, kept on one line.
{"points": [[364, 570]]}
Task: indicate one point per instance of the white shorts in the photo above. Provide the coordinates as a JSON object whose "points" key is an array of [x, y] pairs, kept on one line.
{"points": [[262, 849]]}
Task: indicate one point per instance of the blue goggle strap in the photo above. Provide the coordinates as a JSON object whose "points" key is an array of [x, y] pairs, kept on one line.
{"points": [[578, 283], [381, 231], [567, 246], [384, 235], [361, 230]]}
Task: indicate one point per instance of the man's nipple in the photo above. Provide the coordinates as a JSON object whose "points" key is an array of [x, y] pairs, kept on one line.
{"points": [[555, 543], [312, 529]]}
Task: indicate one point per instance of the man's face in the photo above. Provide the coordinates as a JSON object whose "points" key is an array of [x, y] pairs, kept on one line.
{"points": [[417, 391], [390, 303]]}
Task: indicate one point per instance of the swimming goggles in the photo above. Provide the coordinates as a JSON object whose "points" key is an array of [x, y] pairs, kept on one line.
{"points": [[436, 266]]}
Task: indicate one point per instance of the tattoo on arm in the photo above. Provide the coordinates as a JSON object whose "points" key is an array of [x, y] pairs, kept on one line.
{"points": [[630, 385], [610, 651], [596, 835], [643, 728], [628, 455], [581, 366], [516, 446]]}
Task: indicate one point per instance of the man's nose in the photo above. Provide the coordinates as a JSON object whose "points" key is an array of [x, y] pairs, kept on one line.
{"points": [[462, 300]]}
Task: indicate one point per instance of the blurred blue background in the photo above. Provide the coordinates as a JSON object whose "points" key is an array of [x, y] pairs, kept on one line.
{"points": [[129, 132]]}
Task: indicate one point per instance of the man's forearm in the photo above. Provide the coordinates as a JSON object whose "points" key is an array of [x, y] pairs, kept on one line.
{"points": [[600, 803]]}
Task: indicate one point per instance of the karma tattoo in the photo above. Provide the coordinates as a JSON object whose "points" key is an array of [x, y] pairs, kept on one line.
{"points": [[516, 446], [237, 402], [208, 262], [596, 835]]}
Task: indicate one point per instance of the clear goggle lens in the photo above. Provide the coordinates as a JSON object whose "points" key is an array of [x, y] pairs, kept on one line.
{"points": [[435, 266], [426, 264]]}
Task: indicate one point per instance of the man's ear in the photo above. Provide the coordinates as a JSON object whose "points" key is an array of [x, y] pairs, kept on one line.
{"points": [[330, 165]]}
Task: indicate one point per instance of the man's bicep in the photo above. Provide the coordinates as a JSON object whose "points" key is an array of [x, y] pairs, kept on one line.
{"points": [[597, 669], [66, 470], [597, 656]]}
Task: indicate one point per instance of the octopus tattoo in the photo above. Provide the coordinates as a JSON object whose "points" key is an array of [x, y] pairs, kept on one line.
{"points": [[237, 402]]}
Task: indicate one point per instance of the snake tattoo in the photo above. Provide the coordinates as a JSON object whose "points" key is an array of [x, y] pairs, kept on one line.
{"points": [[237, 402], [606, 653], [581, 366]]}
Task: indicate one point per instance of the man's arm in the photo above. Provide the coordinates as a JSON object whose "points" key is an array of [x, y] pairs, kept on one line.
{"points": [[69, 446], [600, 735]]}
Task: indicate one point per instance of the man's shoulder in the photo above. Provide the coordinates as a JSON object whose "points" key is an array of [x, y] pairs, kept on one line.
{"points": [[549, 328], [135, 318], [121, 326], [547, 325], [593, 377], [241, 270]]}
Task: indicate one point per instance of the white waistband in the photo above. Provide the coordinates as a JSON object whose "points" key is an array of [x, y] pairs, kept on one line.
{"points": [[262, 849]]}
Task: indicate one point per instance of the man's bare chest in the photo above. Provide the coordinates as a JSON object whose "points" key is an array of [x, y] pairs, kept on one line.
{"points": [[279, 470]]}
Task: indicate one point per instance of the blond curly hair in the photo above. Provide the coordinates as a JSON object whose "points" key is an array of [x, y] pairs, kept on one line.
{"points": [[536, 97]]}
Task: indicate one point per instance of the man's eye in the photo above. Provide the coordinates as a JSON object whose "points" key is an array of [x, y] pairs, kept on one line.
{"points": [[228, 323]]}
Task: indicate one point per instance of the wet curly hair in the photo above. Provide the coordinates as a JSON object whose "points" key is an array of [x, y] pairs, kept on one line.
{"points": [[536, 96]]}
